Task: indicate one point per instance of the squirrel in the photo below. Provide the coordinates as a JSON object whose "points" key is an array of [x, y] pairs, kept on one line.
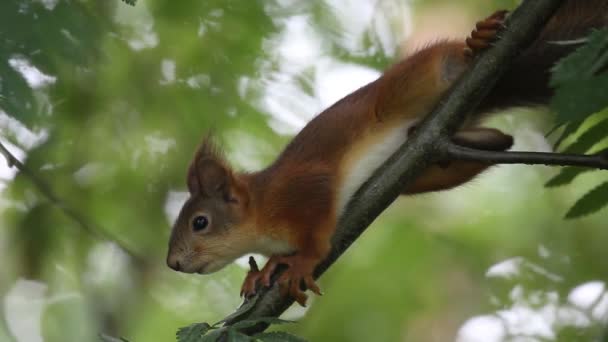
{"points": [[289, 210]]}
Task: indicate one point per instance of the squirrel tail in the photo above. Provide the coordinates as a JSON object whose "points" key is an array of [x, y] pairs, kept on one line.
{"points": [[527, 80]]}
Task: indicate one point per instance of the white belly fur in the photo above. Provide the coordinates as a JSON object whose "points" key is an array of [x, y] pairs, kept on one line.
{"points": [[366, 156]]}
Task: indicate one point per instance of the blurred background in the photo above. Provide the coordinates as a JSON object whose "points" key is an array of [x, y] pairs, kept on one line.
{"points": [[105, 103]]}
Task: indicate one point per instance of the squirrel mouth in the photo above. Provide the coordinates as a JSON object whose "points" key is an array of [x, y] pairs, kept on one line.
{"points": [[201, 269], [211, 266]]}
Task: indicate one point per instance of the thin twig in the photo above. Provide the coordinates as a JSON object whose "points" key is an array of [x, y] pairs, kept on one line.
{"points": [[457, 152], [72, 213], [10, 159], [414, 156]]}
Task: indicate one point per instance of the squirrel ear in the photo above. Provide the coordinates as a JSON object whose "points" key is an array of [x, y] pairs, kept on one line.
{"points": [[208, 173], [215, 180]]}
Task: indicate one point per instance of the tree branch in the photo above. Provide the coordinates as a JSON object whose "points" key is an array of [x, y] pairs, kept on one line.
{"points": [[457, 152], [72, 213], [414, 156]]}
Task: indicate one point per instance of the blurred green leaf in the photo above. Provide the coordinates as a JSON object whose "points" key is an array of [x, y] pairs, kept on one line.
{"points": [[570, 128], [590, 203], [585, 62], [235, 336], [211, 337], [134, 90], [108, 338], [203, 332], [578, 100], [278, 336], [589, 138], [566, 176], [248, 323], [583, 144], [45, 42], [243, 309], [130, 2], [581, 80], [193, 332]]}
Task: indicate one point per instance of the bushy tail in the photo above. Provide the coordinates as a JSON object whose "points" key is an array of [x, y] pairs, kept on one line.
{"points": [[527, 81]]}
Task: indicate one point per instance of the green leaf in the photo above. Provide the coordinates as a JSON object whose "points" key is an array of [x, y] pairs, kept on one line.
{"points": [[583, 144], [248, 323], [571, 127], [581, 84], [246, 307], [235, 336], [130, 2], [278, 336], [583, 63], [107, 338], [566, 176], [591, 137], [233, 330], [590, 203], [213, 336], [575, 101], [193, 332]]}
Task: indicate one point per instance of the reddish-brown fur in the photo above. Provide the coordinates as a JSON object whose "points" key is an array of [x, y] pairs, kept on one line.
{"points": [[289, 210]]}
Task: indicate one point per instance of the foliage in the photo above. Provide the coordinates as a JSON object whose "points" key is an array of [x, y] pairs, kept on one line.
{"points": [[203, 332], [106, 338], [592, 201], [581, 80], [193, 332], [120, 98], [104, 76]]}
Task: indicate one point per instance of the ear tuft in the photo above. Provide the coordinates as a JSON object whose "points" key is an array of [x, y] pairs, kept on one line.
{"points": [[209, 172]]}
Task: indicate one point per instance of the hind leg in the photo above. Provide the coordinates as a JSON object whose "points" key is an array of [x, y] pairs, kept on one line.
{"points": [[442, 177], [414, 85]]}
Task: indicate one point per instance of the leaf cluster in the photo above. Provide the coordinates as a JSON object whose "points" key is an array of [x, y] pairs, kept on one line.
{"points": [[204, 332], [581, 107]]}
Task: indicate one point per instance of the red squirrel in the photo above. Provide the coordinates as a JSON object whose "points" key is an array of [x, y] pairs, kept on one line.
{"points": [[289, 210]]}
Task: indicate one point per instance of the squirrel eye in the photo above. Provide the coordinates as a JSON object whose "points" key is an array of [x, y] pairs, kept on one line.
{"points": [[199, 223]]}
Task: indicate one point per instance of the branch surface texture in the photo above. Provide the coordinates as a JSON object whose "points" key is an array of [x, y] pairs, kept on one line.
{"points": [[414, 156]]}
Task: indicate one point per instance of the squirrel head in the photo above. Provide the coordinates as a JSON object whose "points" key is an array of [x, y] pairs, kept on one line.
{"points": [[210, 230]]}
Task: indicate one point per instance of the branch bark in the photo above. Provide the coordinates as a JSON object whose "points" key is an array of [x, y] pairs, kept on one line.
{"points": [[415, 155]]}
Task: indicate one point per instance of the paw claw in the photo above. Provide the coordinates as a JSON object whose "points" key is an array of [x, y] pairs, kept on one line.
{"points": [[298, 273], [485, 33], [266, 281], [301, 299], [249, 287], [312, 286], [500, 14]]}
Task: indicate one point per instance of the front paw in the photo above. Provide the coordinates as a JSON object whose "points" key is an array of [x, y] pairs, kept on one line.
{"points": [[249, 287], [484, 33], [298, 278]]}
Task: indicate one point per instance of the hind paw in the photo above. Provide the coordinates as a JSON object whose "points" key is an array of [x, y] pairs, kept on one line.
{"points": [[484, 33]]}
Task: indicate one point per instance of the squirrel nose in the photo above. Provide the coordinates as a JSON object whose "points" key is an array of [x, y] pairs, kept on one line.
{"points": [[174, 263]]}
